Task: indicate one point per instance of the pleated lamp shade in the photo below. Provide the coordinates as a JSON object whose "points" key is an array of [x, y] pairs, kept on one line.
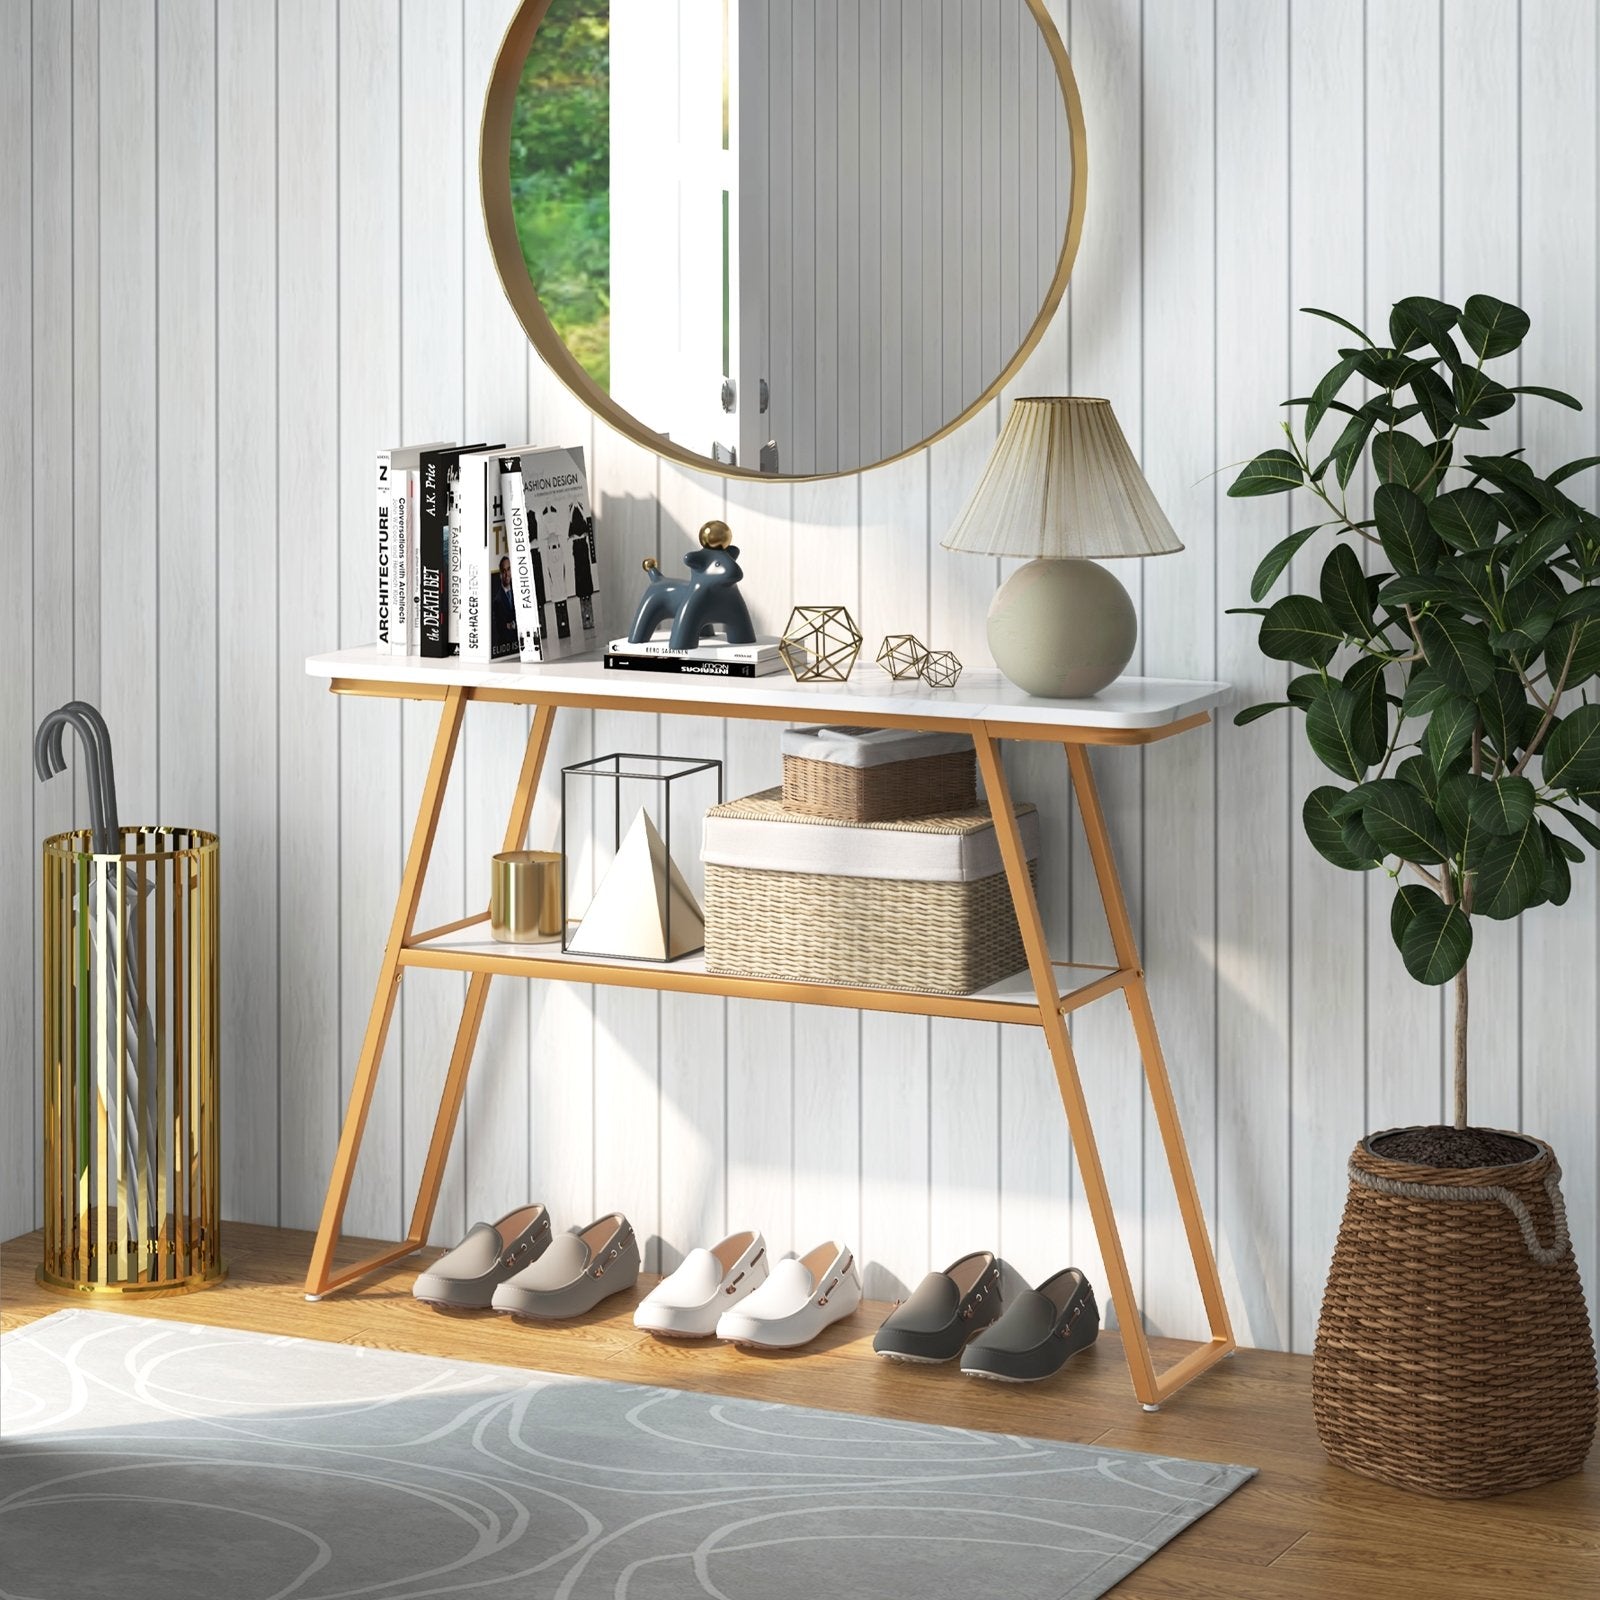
{"points": [[1062, 483]]}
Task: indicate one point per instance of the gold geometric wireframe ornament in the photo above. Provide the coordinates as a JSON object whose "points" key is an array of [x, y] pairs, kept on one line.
{"points": [[820, 644], [941, 669], [901, 655]]}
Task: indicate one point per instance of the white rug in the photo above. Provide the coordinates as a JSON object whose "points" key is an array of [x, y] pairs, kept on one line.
{"points": [[144, 1460]]}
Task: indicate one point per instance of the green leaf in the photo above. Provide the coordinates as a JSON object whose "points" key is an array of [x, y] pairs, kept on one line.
{"points": [[1344, 592], [1401, 823], [1399, 458], [1347, 448], [1579, 603], [1409, 899], [1529, 612], [1417, 320], [1460, 650], [1305, 687], [1556, 885], [1369, 720], [1468, 519], [1586, 829], [1572, 468], [1323, 396], [1329, 316], [1509, 875], [1492, 327], [1417, 772], [1326, 832], [1435, 401], [1389, 370], [1436, 942], [1503, 806], [1276, 559], [1581, 637], [1450, 732], [1438, 588], [1502, 706], [1253, 713], [1272, 472], [1560, 396], [1358, 841], [1331, 731], [1479, 397], [1537, 546], [1300, 629], [1425, 691], [1476, 570], [1455, 803], [1572, 752], [1407, 536]]}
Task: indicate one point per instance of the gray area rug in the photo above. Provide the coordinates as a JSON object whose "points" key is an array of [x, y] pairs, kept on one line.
{"points": [[148, 1460]]}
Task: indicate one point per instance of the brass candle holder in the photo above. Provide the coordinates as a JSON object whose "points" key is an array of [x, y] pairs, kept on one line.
{"points": [[525, 896]]}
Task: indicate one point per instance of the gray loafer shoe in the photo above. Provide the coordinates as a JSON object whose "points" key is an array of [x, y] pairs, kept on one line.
{"points": [[1038, 1333], [467, 1277], [944, 1311], [575, 1273]]}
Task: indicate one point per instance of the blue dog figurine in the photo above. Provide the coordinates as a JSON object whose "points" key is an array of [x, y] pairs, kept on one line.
{"points": [[707, 598]]}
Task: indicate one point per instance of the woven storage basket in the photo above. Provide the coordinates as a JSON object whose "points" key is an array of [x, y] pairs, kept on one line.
{"points": [[938, 785], [873, 932], [1454, 1354]]}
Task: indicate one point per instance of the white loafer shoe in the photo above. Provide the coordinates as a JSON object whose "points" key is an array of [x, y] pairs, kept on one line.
{"points": [[798, 1300], [686, 1304]]}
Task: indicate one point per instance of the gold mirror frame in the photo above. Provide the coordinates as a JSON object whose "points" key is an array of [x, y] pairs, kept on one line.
{"points": [[494, 183]]}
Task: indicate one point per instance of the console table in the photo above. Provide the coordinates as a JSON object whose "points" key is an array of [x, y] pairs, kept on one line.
{"points": [[1133, 711]]}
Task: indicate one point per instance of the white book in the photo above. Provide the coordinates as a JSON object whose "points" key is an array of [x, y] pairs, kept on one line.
{"points": [[512, 495], [563, 553], [395, 467], [706, 650], [488, 613]]}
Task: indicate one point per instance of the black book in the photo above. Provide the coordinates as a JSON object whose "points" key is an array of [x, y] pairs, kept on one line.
{"points": [[433, 546]]}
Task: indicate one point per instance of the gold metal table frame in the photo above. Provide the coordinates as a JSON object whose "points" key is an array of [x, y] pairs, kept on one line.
{"points": [[407, 948]]}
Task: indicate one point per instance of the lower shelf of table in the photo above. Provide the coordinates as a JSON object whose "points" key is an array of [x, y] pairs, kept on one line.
{"points": [[464, 949]]}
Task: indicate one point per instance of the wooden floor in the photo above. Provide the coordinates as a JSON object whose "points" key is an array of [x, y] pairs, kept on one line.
{"points": [[1303, 1527]]}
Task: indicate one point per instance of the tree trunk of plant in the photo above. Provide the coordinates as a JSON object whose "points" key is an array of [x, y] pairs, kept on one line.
{"points": [[1461, 1049]]}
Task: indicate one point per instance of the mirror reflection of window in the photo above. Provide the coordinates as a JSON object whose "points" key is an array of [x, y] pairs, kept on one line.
{"points": [[561, 176], [807, 224]]}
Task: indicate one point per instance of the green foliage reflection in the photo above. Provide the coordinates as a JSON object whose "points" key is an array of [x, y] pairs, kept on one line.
{"points": [[561, 176]]}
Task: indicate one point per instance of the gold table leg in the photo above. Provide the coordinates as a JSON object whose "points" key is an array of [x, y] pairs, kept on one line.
{"points": [[1150, 1387]]}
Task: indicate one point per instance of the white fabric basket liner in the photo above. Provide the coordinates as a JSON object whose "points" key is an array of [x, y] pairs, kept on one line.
{"points": [[927, 850], [870, 747]]}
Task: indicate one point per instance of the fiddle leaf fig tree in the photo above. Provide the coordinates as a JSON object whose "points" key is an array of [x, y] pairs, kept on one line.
{"points": [[1450, 643]]}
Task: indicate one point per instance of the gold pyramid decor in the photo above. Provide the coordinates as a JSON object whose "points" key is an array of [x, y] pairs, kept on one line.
{"points": [[941, 669]]}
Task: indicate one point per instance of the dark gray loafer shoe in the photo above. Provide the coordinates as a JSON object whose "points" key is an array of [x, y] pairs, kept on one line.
{"points": [[944, 1311], [467, 1277], [575, 1273], [1039, 1332]]}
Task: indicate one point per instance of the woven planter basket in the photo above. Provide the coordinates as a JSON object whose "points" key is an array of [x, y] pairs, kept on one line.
{"points": [[924, 787], [1454, 1355]]}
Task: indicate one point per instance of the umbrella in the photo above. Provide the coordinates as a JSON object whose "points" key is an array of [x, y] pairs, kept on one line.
{"points": [[133, 1125]]}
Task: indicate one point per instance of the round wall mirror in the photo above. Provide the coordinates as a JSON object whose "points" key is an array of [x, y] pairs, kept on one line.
{"points": [[783, 238]]}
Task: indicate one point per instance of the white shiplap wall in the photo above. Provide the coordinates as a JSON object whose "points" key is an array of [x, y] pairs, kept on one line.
{"points": [[207, 328]]}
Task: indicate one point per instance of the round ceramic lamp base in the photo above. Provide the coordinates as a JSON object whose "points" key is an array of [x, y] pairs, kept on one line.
{"points": [[1064, 629]]}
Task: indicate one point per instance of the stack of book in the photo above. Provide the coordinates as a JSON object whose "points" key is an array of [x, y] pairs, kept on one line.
{"points": [[710, 659], [486, 553]]}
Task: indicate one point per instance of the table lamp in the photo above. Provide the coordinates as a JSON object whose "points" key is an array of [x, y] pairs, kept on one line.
{"points": [[1062, 486]]}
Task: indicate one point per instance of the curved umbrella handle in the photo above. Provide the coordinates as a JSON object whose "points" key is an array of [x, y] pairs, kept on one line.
{"points": [[108, 771], [49, 760]]}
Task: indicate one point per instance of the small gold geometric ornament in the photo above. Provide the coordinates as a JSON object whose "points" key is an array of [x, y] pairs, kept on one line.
{"points": [[941, 669], [820, 644], [902, 655]]}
